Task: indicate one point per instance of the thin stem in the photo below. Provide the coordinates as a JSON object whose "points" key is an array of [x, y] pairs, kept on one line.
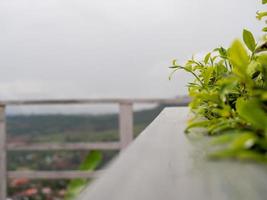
{"points": [[202, 84]]}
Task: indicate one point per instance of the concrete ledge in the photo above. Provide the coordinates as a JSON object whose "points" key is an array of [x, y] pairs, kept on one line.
{"points": [[164, 164]]}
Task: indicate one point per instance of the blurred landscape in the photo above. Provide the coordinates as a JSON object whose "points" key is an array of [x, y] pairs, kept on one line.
{"points": [[61, 128]]}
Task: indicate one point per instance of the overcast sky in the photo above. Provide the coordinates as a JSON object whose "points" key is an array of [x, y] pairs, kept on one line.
{"points": [[110, 48]]}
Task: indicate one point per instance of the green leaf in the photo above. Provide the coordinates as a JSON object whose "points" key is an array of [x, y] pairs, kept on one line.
{"points": [[244, 141], [253, 67], [75, 186], [249, 40], [222, 51], [207, 57], [238, 57], [252, 111], [264, 96], [225, 153], [91, 161], [261, 48], [207, 74], [244, 155], [224, 138], [251, 155], [262, 59], [197, 124], [261, 15], [264, 1], [172, 73]]}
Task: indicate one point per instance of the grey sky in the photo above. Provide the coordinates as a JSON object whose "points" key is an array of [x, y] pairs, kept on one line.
{"points": [[110, 48]]}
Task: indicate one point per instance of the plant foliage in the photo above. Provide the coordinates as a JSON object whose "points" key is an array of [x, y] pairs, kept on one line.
{"points": [[90, 163], [229, 97]]}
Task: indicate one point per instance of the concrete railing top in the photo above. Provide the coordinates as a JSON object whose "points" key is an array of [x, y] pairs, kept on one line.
{"points": [[163, 163]]}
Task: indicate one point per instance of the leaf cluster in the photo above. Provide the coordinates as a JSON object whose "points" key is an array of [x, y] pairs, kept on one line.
{"points": [[229, 97]]}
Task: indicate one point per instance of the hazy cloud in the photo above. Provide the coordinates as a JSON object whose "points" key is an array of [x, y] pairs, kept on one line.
{"points": [[103, 48]]}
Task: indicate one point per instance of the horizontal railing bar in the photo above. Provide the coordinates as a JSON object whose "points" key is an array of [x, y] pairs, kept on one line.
{"points": [[52, 174], [63, 146], [181, 101]]}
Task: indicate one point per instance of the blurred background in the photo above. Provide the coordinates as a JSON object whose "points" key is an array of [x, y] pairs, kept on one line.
{"points": [[103, 48], [59, 49]]}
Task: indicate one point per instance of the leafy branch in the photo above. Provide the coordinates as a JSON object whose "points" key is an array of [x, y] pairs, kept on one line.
{"points": [[229, 97]]}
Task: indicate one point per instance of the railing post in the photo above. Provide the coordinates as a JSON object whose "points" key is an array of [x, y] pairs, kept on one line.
{"points": [[3, 170], [126, 123]]}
